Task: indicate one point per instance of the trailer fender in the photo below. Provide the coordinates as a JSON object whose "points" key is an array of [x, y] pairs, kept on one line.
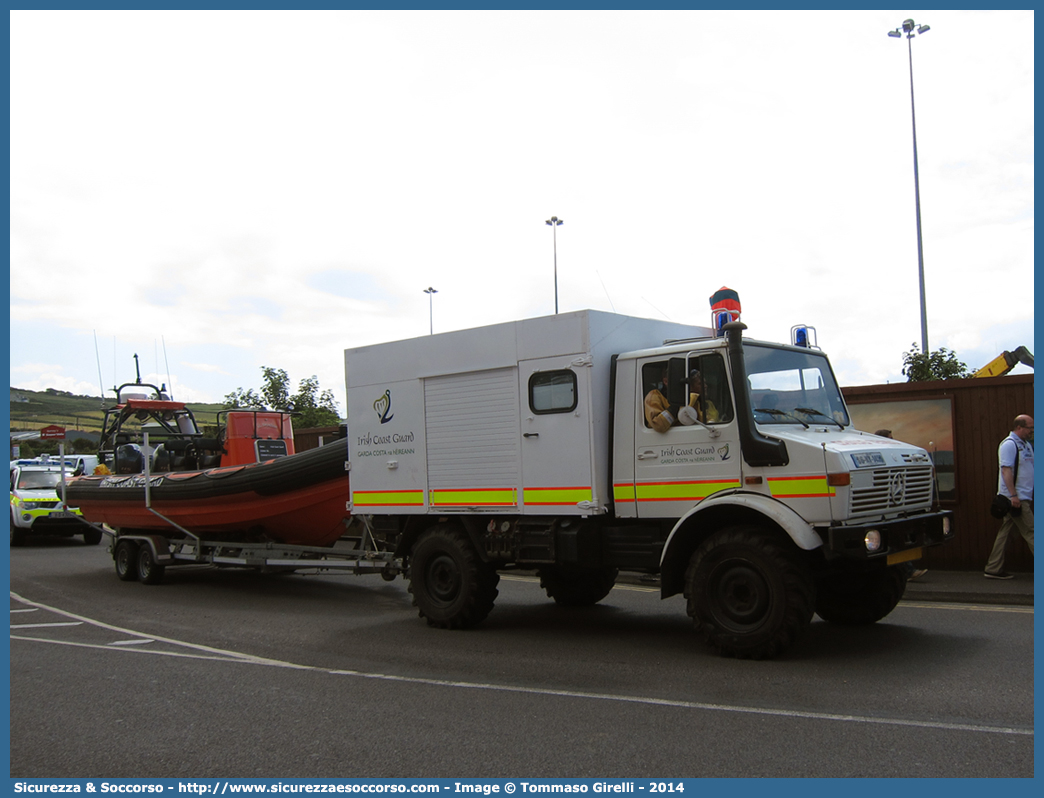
{"points": [[158, 543], [726, 509]]}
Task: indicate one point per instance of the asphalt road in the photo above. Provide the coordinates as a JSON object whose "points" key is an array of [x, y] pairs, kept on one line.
{"points": [[236, 674]]}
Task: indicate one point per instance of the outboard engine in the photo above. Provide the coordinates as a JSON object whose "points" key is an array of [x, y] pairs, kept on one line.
{"points": [[129, 459]]}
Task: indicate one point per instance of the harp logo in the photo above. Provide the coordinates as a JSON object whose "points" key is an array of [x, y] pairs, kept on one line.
{"points": [[383, 407]]}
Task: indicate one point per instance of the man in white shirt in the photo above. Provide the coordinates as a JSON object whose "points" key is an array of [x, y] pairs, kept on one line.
{"points": [[1014, 450]]}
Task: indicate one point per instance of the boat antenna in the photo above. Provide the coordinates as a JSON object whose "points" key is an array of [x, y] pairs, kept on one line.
{"points": [[166, 364], [97, 357], [137, 370]]}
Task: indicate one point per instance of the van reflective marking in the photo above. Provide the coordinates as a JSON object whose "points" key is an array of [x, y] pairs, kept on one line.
{"points": [[388, 498], [624, 492], [681, 491], [556, 496], [474, 497], [800, 487]]}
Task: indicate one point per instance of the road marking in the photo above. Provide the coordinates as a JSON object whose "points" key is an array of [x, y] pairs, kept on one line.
{"points": [[44, 625], [940, 605], [923, 605], [220, 655], [131, 633]]}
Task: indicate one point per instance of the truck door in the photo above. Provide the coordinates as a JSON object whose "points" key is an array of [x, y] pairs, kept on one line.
{"points": [[555, 400], [678, 460]]}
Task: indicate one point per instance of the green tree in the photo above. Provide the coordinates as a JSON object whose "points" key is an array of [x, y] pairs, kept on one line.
{"points": [[311, 406], [941, 364]]}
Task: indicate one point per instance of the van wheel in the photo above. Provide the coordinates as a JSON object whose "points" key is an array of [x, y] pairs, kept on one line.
{"points": [[150, 572], [747, 595], [452, 588], [577, 587], [17, 534], [857, 599], [126, 559]]}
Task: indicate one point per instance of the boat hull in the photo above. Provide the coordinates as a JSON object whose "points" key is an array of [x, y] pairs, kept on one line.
{"points": [[300, 499]]}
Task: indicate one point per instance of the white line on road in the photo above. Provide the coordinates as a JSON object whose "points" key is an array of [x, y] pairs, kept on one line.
{"points": [[220, 655], [44, 625]]}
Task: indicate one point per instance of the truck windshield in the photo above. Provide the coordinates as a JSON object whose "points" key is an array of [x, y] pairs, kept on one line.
{"points": [[792, 387]]}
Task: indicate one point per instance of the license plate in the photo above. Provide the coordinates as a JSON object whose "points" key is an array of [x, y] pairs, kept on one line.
{"points": [[61, 514], [905, 556]]}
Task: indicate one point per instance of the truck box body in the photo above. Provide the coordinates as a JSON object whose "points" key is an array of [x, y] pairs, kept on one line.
{"points": [[510, 418]]}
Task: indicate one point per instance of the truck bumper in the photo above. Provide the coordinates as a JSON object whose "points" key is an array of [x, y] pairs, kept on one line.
{"points": [[897, 536]]}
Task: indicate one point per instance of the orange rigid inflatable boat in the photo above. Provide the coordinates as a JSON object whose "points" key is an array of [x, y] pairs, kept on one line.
{"points": [[298, 499], [247, 484]]}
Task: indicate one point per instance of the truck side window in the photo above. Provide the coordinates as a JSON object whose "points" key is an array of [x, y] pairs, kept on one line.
{"points": [[709, 388], [664, 389], [552, 392]]}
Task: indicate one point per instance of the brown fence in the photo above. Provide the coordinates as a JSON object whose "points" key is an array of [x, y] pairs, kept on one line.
{"points": [[313, 437], [982, 411]]}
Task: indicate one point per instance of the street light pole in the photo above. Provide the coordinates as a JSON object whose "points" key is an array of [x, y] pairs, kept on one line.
{"points": [[431, 317], [554, 221], [909, 28]]}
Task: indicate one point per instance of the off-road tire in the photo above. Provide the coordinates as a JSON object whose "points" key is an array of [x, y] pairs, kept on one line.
{"points": [[452, 587], [577, 587], [125, 559], [856, 599], [150, 572], [748, 594]]}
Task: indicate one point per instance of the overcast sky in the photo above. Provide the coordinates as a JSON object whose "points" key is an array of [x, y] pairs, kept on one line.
{"points": [[221, 191]]}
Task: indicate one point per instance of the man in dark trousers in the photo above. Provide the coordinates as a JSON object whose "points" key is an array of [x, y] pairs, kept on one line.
{"points": [[1015, 456]]}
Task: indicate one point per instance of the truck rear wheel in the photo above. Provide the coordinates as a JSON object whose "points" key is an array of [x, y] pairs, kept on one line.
{"points": [[452, 588], [126, 559], [577, 587], [747, 595], [860, 598]]}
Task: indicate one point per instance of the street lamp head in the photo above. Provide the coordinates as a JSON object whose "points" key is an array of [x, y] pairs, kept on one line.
{"points": [[923, 29], [430, 290], [895, 34], [908, 25]]}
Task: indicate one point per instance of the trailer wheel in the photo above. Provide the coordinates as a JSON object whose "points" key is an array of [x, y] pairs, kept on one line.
{"points": [[126, 559], [92, 537], [150, 572], [747, 595], [859, 599], [577, 587], [452, 588]]}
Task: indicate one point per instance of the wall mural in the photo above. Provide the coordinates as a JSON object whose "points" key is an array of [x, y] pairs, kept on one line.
{"points": [[927, 423]]}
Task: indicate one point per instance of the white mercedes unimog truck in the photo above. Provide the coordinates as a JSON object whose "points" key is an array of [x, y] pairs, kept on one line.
{"points": [[528, 445]]}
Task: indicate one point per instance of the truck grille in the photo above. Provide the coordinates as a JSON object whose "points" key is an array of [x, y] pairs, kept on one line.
{"points": [[894, 489]]}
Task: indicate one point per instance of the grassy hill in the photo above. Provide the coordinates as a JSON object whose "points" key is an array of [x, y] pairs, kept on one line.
{"points": [[42, 408]]}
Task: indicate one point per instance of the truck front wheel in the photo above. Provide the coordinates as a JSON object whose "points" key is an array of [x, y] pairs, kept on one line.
{"points": [[861, 598], [747, 595], [577, 587], [452, 588]]}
